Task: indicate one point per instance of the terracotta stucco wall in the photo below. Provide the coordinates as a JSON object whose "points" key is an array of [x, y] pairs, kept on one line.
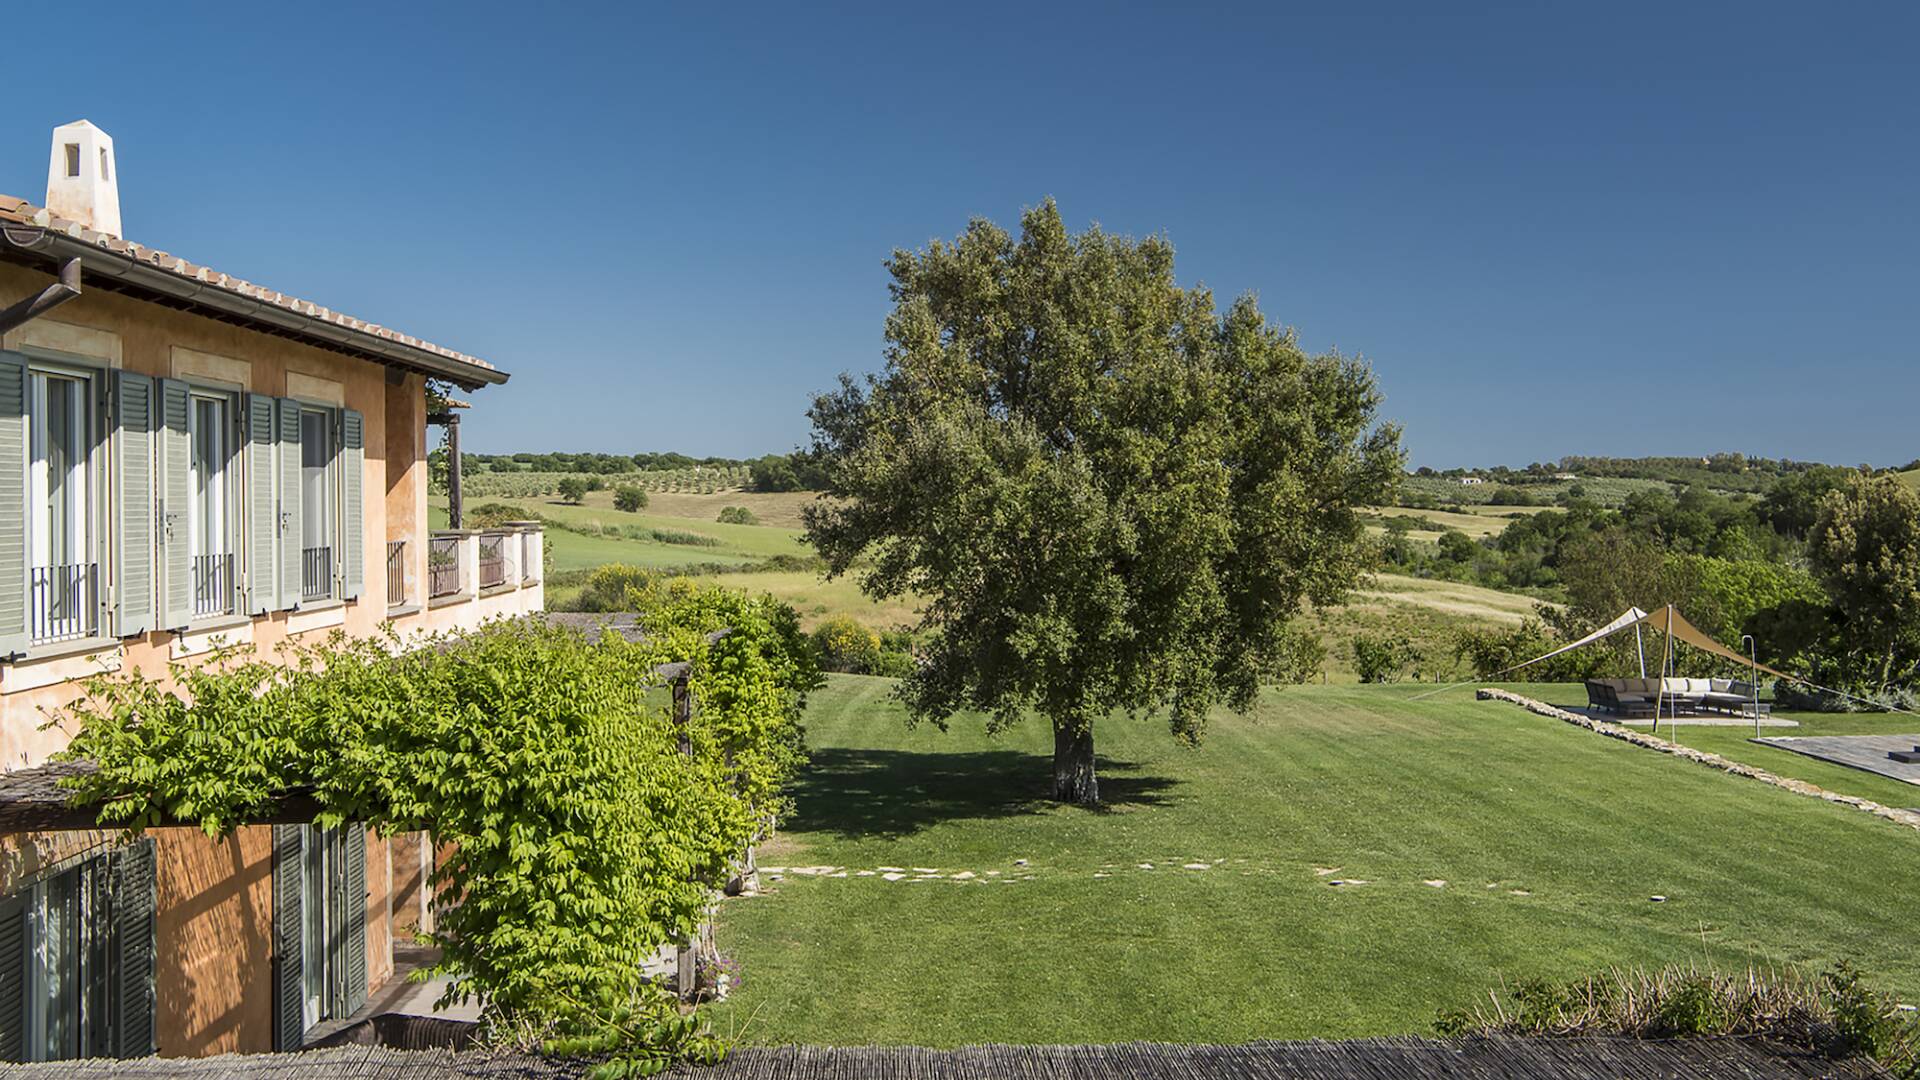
{"points": [[121, 332], [213, 942]]}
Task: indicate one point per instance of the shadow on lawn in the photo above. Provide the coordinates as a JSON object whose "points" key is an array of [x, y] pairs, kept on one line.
{"points": [[857, 794]]}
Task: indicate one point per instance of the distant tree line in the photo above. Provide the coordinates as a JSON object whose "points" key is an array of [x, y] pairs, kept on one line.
{"points": [[797, 471], [1722, 472]]}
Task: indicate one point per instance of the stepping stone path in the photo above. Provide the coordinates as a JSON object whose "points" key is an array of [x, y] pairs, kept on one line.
{"points": [[1438, 883]]}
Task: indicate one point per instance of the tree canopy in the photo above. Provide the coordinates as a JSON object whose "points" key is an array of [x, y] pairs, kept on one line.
{"points": [[1113, 495]]}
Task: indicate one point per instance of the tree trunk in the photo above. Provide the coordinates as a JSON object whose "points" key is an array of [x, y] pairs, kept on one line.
{"points": [[1073, 779]]}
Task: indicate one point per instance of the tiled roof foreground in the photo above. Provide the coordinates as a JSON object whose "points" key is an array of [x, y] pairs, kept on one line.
{"points": [[1374, 1059], [18, 211]]}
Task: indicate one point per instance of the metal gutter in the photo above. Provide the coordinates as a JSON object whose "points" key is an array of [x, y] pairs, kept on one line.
{"points": [[131, 273], [45, 300]]}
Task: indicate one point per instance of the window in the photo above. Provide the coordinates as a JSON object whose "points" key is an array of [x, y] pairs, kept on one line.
{"points": [[73, 159], [77, 948], [56, 967], [317, 510], [320, 927], [211, 523], [63, 575], [315, 861]]}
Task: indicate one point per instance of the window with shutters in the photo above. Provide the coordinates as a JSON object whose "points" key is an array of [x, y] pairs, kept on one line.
{"points": [[212, 520], [320, 927], [63, 570], [81, 940], [319, 509]]}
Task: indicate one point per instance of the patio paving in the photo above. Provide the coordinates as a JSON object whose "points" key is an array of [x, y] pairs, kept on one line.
{"points": [[1864, 752]]}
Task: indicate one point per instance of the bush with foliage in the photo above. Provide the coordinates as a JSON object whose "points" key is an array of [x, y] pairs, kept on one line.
{"points": [[844, 645], [573, 489], [630, 498], [492, 515], [737, 515], [1836, 1014], [582, 838], [1384, 657], [1491, 652]]}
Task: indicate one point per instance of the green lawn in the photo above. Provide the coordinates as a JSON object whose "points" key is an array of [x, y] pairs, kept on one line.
{"points": [[1737, 743], [1550, 840]]}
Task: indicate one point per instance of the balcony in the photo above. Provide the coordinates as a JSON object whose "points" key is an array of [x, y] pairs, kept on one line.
{"points": [[396, 573], [316, 573], [476, 575], [493, 559], [212, 585], [63, 602]]}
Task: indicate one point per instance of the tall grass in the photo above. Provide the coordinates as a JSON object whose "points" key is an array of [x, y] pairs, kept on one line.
{"points": [[1835, 1013]]}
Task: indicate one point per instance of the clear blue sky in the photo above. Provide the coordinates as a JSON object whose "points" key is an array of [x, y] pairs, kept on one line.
{"points": [[1668, 229]]}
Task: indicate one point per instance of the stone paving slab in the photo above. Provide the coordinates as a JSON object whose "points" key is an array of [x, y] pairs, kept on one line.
{"points": [[1865, 752]]}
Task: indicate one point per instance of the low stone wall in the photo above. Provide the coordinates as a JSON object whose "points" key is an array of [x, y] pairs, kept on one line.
{"points": [[1626, 734]]}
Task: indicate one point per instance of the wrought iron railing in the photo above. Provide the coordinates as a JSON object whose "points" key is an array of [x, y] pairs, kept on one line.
{"points": [[212, 585], [316, 573], [493, 559], [62, 602], [396, 572], [443, 566]]}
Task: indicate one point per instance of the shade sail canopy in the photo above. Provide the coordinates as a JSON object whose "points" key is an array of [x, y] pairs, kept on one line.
{"points": [[1667, 620]]}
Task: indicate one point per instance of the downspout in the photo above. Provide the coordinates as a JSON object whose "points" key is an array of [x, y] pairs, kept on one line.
{"points": [[31, 308]]}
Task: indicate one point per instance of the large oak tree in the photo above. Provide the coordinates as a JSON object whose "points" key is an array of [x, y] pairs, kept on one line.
{"points": [[1112, 496]]}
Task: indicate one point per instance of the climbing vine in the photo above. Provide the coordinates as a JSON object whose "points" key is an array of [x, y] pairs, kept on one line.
{"points": [[582, 837]]}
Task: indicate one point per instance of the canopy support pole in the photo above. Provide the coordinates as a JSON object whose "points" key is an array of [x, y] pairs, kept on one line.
{"points": [[1666, 672], [1640, 644]]}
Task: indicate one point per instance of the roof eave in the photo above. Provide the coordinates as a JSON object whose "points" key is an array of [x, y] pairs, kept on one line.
{"points": [[129, 274]]}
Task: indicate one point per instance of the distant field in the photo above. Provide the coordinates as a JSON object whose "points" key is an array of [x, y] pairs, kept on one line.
{"points": [[1911, 478], [1430, 613], [1478, 522]]}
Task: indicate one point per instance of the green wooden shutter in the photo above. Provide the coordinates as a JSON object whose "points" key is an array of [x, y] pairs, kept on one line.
{"points": [[291, 537], [353, 959], [130, 968], [352, 517], [13, 504], [133, 498], [13, 977], [263, 517], [289, 1021], [176, 497]]}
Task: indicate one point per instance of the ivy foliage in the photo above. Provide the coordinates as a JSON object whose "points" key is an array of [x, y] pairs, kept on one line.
{"points": [[582, 838]]}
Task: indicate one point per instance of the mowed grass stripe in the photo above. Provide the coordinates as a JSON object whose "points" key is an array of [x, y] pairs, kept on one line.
{"points": [[1389, 789]]}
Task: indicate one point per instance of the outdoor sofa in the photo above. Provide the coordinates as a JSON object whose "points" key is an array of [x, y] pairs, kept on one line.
{"points": [[1640, 697]]}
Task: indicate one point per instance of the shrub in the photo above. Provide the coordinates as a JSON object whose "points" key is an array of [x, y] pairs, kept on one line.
{"points": [[845, 645], [493, 515], [737, 515], [1383, 658], [1837, 1014], [1491, 652], [629, 498], [674, 536], [614, 586], [573, 488]]}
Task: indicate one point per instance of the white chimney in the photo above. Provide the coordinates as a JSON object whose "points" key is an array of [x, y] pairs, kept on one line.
{"points": [[83, 179]]}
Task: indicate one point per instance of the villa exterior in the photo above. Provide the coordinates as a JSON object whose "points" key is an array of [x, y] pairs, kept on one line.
{"points": [[188, 459]]}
